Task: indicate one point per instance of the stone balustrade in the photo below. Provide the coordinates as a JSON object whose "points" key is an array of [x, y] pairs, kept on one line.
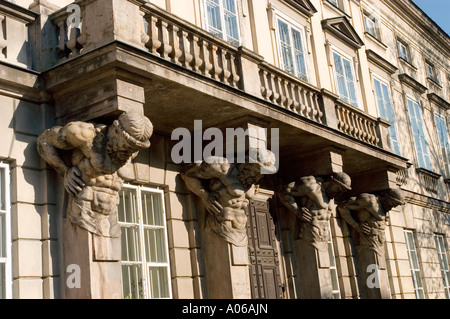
{"points": [[14, 35], [429, 180], [357, 124], [71, 37], [188, 46], [290, 93]]}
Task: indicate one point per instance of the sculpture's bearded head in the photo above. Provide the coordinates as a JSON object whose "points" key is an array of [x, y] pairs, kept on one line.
{"points": [[392, 198], [129, 134]]}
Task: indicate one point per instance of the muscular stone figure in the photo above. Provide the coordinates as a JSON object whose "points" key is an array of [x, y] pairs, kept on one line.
{"points": [[226, 195], [371, 211], [315, 205], [97, 152]]}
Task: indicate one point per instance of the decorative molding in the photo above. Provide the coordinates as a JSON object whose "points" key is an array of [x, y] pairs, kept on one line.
{"points": [[304, 6], [343, 29], [433, 97], [413, 83], [381, 62]]}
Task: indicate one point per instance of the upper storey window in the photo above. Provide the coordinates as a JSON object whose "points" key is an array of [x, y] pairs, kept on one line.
{"points": [[345, 79], [403, 51], [222, 20], [292, 49], [420, 141], [337, 3]]}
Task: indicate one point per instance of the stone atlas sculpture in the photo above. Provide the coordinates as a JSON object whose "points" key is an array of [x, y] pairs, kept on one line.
{"points": [[225, 189], [89, 157], [312, 200], [367, 215], [90, 175]]}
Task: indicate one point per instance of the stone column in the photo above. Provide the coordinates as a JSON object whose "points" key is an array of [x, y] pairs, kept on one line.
{"points": [[366, 214], [225, 186], [312, 200], [95, 259], [89, 157]]}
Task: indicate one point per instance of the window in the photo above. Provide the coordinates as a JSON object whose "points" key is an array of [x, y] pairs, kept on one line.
{"points": [[5, 234], [145, 256], [345, 79], [420, 142], [442, 132], [440, 246], [431, 71], [337, 3], [414, 264], [292, 50], [333, 269], [222, 20], [370, 24], [402, 50], [386, 112]]}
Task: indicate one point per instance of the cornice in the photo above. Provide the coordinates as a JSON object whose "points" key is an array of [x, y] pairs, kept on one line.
{"points": [[377, 59], [413, 83]]}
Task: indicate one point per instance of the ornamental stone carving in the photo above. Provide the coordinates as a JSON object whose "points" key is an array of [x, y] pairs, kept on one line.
{"points": [[88, 156], [367, 215], [225, 189], [312, 200]]}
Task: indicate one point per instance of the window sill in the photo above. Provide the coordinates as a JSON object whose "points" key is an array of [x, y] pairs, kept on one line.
{"points": [[408, 64], [337, 9], [434, 82], [376, 40]]}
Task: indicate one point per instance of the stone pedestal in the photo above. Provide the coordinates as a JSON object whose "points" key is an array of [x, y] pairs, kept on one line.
{"points": [[227, 269], [91, 264], [373, 281], [313, 271]]}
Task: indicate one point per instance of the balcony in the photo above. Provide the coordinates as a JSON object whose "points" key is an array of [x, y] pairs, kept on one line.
{"points": [[152, 60]]}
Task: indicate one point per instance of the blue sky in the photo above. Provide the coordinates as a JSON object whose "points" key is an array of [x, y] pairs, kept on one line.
{"points": [[438, 10]]}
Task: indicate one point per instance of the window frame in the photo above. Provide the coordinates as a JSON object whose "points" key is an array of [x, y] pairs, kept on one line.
{"points": [[299, 28], [374, 20], [7, 261], [224, 37], [391, 142], [446, 146], [355, 81], [337, 4], [407, 56], [415, 272], [443, 261], [423, 155], [333, 265], [146, 264]]}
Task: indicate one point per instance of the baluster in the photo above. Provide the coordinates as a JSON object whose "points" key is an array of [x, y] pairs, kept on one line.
{"points": [[266, 92], [61, 48], [197, 61], [144, 29], [319, 113], [226, 66], [166, 48], [186, 57], [3, 42], [216, 70], [273, 94], [296, 99], [154, 44], [235, 70], [347, 121], [303, 107], [174, 41], [283, 93], [205, 54], [289, 96]]}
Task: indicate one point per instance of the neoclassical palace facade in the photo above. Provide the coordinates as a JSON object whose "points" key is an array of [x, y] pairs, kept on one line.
{"points": [[108, 109]]}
